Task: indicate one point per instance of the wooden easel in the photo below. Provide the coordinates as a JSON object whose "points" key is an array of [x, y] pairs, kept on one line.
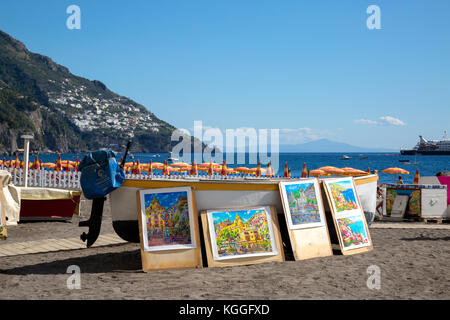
{"points": [[311, 242], [176, 258], [243, 260], [332, 215]]}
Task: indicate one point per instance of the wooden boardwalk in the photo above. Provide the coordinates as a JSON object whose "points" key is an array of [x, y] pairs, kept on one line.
{"points": [[52, 245]]}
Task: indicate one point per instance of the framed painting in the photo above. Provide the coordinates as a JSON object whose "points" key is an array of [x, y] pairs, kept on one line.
{"points": [[168, 228], [235, 236], [348, 215], [302, 203], [167, 219], [305, 218]]}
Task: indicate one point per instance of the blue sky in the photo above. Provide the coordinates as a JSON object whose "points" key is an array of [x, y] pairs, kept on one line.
{"points": [[309, 68], [166, 200]]}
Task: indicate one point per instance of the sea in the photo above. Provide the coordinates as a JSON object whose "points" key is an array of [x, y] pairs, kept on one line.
{"points": [[427, 165]]}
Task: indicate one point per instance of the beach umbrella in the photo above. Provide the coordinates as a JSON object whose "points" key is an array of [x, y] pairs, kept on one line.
{"points": [[224, 171], [179, 165], [286, 170], [304, 171], [210, 169], [17, 162], [395, 171], [58, 164], [269, 172], [77, 162], [258, 170], [194, 169], [368, 170], [165, 170], [150, 168], [48, 165], [332, 170], [289, 172], [137, 169], [416, 177], [353, 172], [317, 172], [242, 170]]}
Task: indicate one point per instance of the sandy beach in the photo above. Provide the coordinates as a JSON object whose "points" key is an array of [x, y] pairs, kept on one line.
{"points": [[413, 262]]}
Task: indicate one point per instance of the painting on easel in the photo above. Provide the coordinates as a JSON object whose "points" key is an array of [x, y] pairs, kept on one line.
{"points": [[302, 203], [241, 233], [167, 219], [351, 225], [353, 232]]}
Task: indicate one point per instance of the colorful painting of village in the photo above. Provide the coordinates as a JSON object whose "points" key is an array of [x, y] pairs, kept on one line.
{"points": [[353, 232], [343, 195], [240, 233], [303, 205], [167, 219]]}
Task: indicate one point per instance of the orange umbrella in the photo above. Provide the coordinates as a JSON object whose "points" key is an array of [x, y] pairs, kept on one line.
{"points": [[58, 164], [286, 170], [353, 172], [165, 170], [181, 169], [317, 172], [179, 165], [242, 170], [416, 177], [194, 169], [269, 172], [49, 165], [395, 170], [210, 169], [332, 170], [224, 171], [304, 171], [258, 170], [150, 168]]}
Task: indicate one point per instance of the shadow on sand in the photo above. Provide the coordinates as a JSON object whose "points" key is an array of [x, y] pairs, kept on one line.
{"points": [[96, 263], [426, 239]]}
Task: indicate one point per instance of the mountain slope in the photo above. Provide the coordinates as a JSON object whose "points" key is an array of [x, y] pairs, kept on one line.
{"points": [[67, 113], [325, 145]]}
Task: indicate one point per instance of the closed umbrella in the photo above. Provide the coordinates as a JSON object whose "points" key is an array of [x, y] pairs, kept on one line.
{"points": [[416, 177], [304, 171]]}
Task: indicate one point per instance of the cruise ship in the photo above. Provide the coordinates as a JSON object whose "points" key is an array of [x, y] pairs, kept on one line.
{"points": [[430, 147]]}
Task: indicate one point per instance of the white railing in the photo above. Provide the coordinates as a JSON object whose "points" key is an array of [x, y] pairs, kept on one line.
{"points": [[71, 179], [45, 178]]}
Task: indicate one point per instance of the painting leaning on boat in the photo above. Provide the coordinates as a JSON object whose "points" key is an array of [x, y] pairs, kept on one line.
{"points": [[241, 233], [302, 203], [167, 219]]}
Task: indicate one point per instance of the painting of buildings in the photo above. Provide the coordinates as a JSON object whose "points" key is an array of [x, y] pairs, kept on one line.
{"points": [[343, 195], [167, 219], [241, 233], [353, 232], [302, 203]]}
